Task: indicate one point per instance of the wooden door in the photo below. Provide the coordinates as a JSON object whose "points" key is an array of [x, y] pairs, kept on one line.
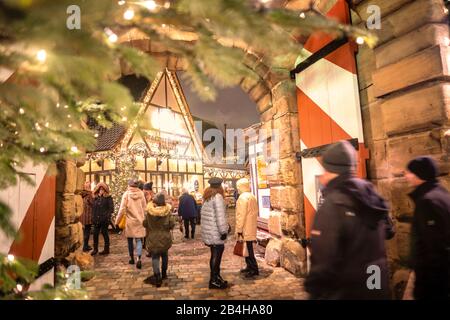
{"points": [[329, 107]]}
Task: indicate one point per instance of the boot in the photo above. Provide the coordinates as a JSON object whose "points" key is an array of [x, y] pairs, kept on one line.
{"points": [[252, 274], [219, 277], [95, 251], [217, 284], [156, 280], [245, 270], [131, 261], [139, 263], [105, 251], [164, 275]]}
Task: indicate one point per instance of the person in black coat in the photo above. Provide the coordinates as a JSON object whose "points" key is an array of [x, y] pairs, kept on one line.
{"points": [[187, 210], [348, 255], [102, 209], [430, 230]]}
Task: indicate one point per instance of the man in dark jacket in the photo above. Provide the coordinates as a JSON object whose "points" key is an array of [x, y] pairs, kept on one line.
{"points": [[430, 231], [348, 255], [187, 210]]}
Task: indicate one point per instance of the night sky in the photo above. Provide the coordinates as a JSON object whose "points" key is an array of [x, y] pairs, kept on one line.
{"points": [[232, 106]]}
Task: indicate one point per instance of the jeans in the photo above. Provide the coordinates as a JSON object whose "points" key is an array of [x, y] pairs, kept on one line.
{"points": [[86, 234], [216, 260], [190, 221], [103, 228], [155, 262], [138, 246], [252, 265]]}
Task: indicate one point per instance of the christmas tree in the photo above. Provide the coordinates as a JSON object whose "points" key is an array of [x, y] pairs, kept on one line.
{"points": [[59, 61]]}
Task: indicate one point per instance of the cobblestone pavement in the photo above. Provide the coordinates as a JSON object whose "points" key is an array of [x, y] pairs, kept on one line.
{"points": [[188, 275]]}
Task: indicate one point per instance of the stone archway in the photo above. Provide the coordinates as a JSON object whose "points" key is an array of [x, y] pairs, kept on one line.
{"points": [[275, 97]]}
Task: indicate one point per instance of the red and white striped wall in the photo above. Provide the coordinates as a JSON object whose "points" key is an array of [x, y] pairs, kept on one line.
{"points": [[34, 216], [328, 105]]}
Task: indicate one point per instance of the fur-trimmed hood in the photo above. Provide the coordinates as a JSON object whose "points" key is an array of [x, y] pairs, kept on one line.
{"points": [[101, 185], [158, 211]]}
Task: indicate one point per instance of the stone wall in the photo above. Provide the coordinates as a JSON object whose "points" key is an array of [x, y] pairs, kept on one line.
{"points": [[69, 206], [405, 102]]}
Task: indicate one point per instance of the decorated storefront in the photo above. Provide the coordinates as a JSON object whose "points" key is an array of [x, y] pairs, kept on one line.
{"points": [[160, 145]]}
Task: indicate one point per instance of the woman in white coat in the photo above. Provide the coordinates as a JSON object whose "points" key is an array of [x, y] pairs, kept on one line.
{"points": [[133, 205], [246, 224]]}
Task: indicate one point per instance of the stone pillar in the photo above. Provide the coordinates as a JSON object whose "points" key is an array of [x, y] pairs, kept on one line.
{"points": [[69, 206], [275, 96], [404, 94]]}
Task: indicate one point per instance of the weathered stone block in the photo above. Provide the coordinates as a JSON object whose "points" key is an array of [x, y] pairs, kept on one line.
{"points": [[385, 6], [373, 122], [275, 196], [426, 107], [426, 65], [78, 206], [378, 165], [411, 43], [401, 206], [291, 199], [291, 225], [366, 65], [285, 136], [293, 257], [258, 91], [273, 252], [402, 149], [264, 103], [410, 17], [81, 178], [274, 223], [290, 171], [65, 209], [66, 178], [82, 259], [403, 239]]}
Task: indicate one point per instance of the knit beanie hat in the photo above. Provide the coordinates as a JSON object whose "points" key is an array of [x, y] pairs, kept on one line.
{"points": [[424, 168], [148, 186], [340, 158]]}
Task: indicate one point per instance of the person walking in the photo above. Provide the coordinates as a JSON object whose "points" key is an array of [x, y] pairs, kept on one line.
{"points": [[159, 222], [348, 234], [102, 209], [133, 207], [187, 210], [430, 230], [215, 229], [246, 224], [86, 216]]}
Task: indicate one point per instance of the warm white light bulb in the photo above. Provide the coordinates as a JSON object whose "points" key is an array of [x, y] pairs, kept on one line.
{"points": [[302, 15], [112, 38], [10, 258], [74, 149], [41, 55], [128, 14], [150, 5], [21, 111], [121, 2], [42, 149], [19, 287], [360, 40]]}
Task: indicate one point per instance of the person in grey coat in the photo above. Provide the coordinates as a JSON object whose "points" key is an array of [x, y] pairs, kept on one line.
{"points": [[215, 229]]}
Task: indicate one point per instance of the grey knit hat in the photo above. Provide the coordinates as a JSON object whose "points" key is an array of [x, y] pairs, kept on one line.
{"points": [[340, 158]]}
